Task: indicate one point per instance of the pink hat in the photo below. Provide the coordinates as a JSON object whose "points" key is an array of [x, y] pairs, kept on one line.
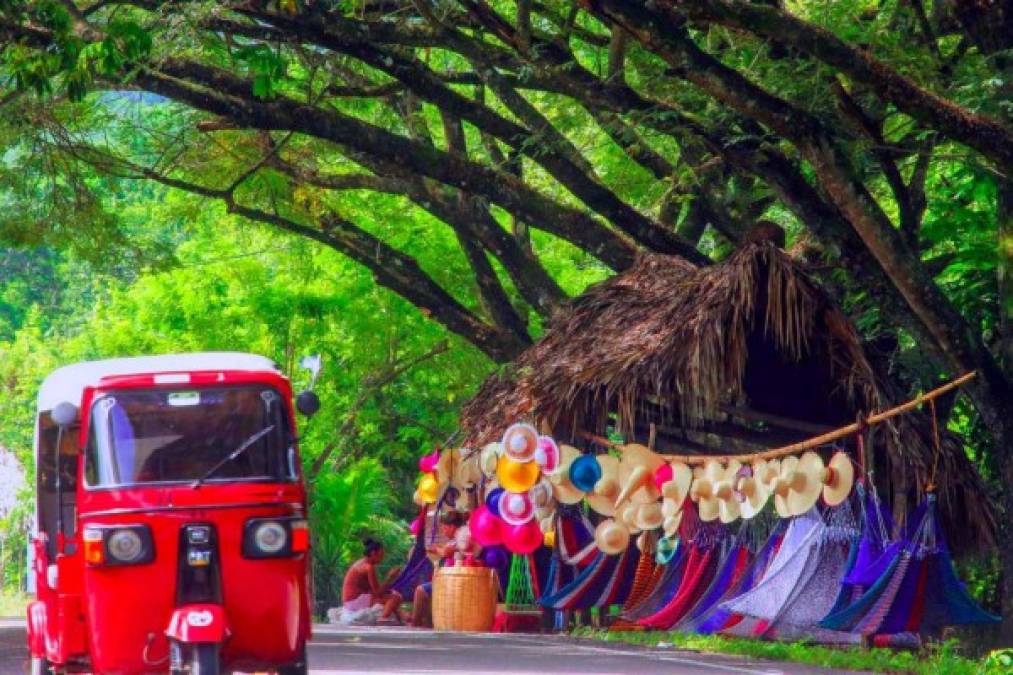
{"points": [[516, 508]]}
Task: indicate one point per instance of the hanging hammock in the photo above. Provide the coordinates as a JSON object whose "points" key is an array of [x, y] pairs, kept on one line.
{"points": [[417, 569], [803, 581], [701, 566], [717, 617], [734, 562], [665, 585], [918, 591]]}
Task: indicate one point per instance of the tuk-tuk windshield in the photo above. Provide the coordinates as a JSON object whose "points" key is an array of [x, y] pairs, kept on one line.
{"points": [[160, 436]]}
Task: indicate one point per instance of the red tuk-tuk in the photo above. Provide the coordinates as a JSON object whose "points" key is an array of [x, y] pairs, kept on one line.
{"points": [[171, 528]]}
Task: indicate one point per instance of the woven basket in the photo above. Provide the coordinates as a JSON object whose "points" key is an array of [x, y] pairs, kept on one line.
{"points": [[464, 598]]}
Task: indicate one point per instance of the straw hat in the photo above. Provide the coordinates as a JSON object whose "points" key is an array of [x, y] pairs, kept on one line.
{"points": [[670, 507], [516, 508], [520, 441], [516, 476], [543, 512], [678, 487], [548, 454], [728, 505], [603, 498], [704, 490], [806, 483], [750, 491], [547, 524], [611, 537], [646, 543], [780, 486], [628, 516], [489, 458], [671, 524], [469, 472], [541, 492], [766, 472], [838, 479], [449, 465], [649, 516], [562, 489], [636, 473]]}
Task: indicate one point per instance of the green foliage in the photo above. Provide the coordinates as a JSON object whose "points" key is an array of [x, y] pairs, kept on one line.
{"points": [[348, 506], [936, 658]]}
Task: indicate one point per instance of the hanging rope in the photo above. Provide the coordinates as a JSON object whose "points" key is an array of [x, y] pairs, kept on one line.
{"points": [[938, 446]]}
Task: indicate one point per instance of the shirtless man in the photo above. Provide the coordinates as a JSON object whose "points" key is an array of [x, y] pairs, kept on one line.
{"points": [[361, 588]]}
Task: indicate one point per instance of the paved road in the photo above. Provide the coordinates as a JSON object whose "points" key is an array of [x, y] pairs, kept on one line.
{"points": [[405, 651]]}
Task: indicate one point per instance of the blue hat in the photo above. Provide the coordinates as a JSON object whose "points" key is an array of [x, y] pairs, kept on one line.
{"points": [[585, 471]]}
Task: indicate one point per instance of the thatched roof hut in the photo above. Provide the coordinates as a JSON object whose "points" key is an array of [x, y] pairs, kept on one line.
{"points": [[743, 355]]}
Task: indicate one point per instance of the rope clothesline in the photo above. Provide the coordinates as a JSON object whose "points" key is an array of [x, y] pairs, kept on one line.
{"points": [[809, 443]]}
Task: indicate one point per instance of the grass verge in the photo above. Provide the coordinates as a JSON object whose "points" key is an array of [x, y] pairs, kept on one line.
{"points": [[933, 660], [12, 604]]}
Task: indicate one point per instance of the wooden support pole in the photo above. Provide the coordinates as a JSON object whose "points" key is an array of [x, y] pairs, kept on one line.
{"points": [[815, 441]]}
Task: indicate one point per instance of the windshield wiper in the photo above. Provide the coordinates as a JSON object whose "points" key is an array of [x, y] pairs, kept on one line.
{"points": [[232, 455]]}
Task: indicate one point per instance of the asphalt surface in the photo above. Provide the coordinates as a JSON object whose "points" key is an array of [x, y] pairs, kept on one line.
{"points": [[407, 651]]}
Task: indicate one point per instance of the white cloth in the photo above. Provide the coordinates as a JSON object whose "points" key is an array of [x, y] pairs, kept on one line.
{"points": [[361, 611]]}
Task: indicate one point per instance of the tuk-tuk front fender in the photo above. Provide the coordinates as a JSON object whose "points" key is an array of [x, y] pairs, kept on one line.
{"points": [[198, 623], [37, 629]]}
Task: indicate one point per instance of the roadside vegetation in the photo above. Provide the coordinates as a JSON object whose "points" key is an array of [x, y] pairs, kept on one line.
{"points": [[936, 659]]}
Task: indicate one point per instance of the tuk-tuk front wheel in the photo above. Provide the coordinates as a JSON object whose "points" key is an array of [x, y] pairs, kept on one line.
{"points": [[300, 667], [194, 659], [41, 667]]}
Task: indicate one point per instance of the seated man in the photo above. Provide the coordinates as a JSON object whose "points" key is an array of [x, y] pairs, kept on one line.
{"points": [[361, 590], [422, 609]]}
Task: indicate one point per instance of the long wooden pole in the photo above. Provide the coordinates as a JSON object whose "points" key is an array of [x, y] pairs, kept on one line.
{"points": [[815, 441]]}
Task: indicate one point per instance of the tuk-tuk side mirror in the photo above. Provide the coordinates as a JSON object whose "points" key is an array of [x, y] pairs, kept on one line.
{"points": [[64, 414], [308, 403]]}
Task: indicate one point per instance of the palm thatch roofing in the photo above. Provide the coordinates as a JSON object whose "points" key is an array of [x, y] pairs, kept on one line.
{"points": [[742, 355]]}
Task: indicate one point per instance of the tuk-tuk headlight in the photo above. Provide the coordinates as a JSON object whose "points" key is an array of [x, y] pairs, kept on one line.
{"points": [[114, 545], [274, 537], [270, 537], [125, 545]]}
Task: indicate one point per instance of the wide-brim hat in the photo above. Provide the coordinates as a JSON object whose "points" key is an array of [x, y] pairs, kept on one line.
{"points": [[449, 465], [492, 499], [627, 515], [585, 471], [516, 476], [779, 487], [636, 473], [750, 491], [488, 459], [429, 488], [541, 492], [603, 498], [469, 472], [671, 524], [724, 492], [563, 490], [837, 485], [649, 516], [806, 483], [548, 455], [705, 489], [516, 508], [520, 441], [677, 489], [611, 537]]}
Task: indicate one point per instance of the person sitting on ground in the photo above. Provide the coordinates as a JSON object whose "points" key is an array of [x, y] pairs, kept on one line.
{"points": [[422, 609], [361, 590]]}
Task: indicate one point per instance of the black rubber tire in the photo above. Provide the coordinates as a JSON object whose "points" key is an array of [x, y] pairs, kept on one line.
{"points": [[41, 667], [301, 667], [204, 660]]}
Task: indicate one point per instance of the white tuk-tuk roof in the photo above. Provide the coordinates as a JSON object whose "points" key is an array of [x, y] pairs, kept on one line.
{"points": [[68, 383]]}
